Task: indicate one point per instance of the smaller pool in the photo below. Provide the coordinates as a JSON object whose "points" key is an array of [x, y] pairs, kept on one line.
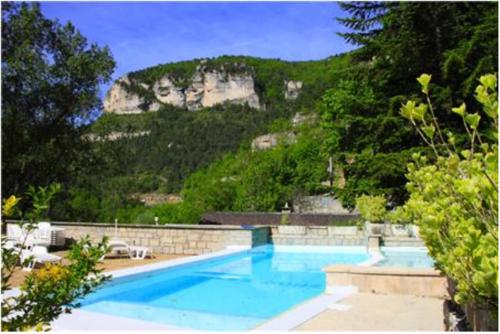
{"points": [[412, 257]]}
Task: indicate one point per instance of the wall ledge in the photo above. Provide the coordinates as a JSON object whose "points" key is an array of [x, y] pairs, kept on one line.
{"points": [[164, 226], [161, 226], [383, 271]]}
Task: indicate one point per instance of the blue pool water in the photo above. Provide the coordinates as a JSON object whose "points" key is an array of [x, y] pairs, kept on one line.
{"points": [[413, 257], [235, 292]]}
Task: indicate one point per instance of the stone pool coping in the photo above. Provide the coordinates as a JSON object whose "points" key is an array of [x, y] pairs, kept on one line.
{"points": [[383, 271], [306, 310], [230, 250]]}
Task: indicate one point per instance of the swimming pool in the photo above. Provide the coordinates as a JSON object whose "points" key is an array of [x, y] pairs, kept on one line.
{"points": [[229, 293], [410, 257]]}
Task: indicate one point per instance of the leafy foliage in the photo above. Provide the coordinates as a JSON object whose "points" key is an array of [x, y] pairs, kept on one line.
{"points": [[399, 41], [245, 181], [261, 180], [372, 208], [50, 81], [55, 288], [454, 198]]}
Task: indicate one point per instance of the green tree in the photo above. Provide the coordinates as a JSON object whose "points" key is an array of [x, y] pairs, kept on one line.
{"points": [[455, 41], [364, 24], [370, 145], [50, 86]]}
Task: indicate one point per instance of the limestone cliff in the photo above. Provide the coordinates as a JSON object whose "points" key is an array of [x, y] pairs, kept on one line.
{"points": [[120, 100], [292, 89], [206, 88], [271, 140]]}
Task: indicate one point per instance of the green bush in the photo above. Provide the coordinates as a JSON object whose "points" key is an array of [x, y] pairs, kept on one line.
{"points": [[454, 194], [372, 208]]}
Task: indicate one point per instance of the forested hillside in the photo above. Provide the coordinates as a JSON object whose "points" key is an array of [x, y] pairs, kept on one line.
{"points": [[174, 142]]}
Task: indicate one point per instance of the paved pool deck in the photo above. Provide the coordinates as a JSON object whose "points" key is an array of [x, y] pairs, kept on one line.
{"points": [[109, 264], [377, 312]]}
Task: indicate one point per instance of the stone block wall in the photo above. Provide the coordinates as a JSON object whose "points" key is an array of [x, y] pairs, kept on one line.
{"points": [[200, 239], [317, 235], [171, 239], [319, 204]]}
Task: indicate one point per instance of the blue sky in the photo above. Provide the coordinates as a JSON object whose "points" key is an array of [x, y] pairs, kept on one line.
{"points": [[149, 33]]}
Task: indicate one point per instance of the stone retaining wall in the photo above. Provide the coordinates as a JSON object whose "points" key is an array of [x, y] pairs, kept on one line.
{"points": [[317, 235], [199, 239], [172, 239]]}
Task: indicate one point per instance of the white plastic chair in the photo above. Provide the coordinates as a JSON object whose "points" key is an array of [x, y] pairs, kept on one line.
{"points": [[44, 225], [139, 252], [42, 236], [15, 233], [9, 244], [39, 254]]}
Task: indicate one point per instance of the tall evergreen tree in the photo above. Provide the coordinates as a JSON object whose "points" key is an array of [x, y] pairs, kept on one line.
{"points": [[455, 42], [364, 23]]}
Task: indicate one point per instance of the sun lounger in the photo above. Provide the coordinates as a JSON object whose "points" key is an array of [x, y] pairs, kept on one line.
{"points": [[119, 247], [38, 254]]}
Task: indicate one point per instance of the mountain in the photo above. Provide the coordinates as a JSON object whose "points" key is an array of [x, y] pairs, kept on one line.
{"points": [[161, 124], [206, 89], [206, 83]]}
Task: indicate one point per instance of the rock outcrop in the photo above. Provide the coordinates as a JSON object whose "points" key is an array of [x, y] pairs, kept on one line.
{"points": [[292, 89], [271, 140], [166, 92], [299, 119], [206, 89], [150, 199], [115, 135], [236, 88], [121, 101], [320, 204]]}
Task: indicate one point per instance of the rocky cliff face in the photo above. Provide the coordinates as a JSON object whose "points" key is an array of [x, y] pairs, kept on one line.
{"points": [[166, 92], [271, 140], [292, 89], [120, 100], [206, 89]]}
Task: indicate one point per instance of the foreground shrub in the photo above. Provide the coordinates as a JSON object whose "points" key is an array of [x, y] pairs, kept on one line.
{"points": [[454, 194], [55, 288]]}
